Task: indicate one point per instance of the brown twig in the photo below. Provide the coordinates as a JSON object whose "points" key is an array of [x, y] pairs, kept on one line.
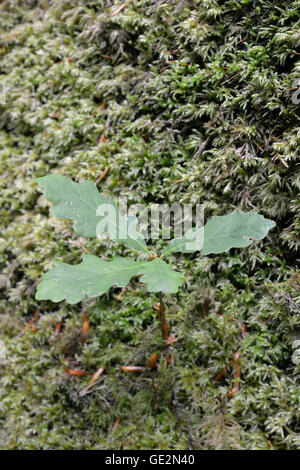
{"points": [[116, 425], [85, 327], [102, 176], [80, 244], [93, 381], [281, 159], [176, 181], [165, 327], [124, 5], [237, 374], [118, 297], [231, 78]]}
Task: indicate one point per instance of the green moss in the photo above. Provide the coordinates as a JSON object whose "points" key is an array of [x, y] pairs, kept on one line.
{"points": [[197, 92]]}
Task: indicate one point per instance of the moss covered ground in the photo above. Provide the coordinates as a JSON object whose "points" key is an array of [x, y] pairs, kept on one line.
{"points": [[181, 101]]}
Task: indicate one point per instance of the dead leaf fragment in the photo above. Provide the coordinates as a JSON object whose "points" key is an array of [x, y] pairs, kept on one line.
{"points": [[95, 376], [78, 372], [133, 368], [152, 361]]}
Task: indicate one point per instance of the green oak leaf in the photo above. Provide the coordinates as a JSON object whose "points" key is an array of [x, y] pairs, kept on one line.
{"points": [[159, 277], [191, 241], [93, 277], [235, 230], [120, 228], [94, 215]]}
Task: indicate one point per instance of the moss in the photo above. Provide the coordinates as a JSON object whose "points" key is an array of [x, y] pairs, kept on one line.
{"points": [[193, 101]]}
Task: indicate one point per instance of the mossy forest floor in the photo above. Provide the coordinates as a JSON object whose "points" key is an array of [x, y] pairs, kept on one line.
{"points": [[181, 101]]}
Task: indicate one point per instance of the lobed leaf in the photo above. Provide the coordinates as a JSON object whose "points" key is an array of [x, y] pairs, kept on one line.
{"points": [[159, 277], [93, 277], [191, 241], [236, 230], [222, 233], [94, 215]]}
